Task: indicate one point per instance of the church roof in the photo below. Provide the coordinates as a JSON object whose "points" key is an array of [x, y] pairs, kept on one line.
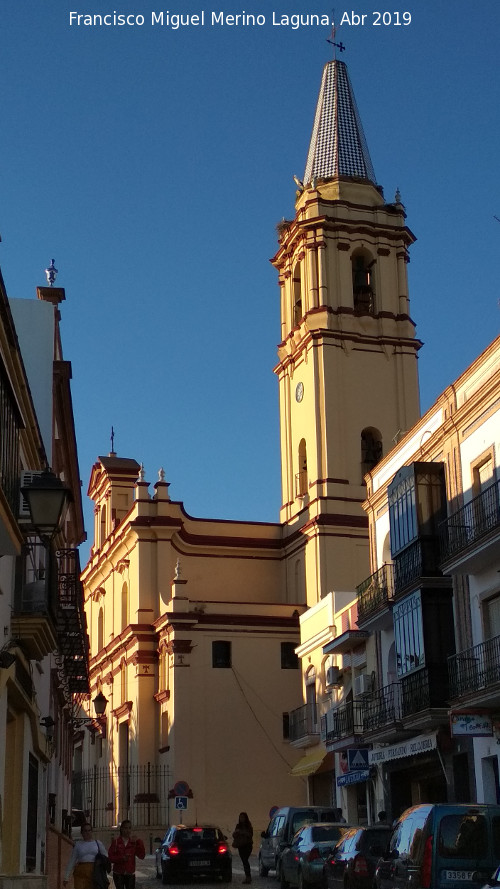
{"points": [[338, 145]]}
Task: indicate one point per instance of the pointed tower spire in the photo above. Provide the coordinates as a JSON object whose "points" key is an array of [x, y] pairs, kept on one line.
{"points": [[338, 145]]}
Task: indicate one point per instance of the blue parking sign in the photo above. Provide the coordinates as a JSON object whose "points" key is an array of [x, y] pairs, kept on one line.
{"points": [[181, 802]]}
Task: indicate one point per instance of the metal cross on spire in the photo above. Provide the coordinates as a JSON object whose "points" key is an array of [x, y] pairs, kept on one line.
{"points": [[112, 440], [331, 39]]}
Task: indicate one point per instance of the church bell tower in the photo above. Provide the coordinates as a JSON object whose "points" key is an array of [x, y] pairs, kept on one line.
{"points": [[347, 369]]}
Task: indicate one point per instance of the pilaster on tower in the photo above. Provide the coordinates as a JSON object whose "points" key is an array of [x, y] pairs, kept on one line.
{"points": [[347, 367]]}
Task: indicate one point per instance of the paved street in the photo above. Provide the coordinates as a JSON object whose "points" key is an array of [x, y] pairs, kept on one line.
{"points": [[146, 875]]}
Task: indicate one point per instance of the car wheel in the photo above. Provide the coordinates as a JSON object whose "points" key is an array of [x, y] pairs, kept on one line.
{"points": [[263, 871], [227, 875], [165, 876]]}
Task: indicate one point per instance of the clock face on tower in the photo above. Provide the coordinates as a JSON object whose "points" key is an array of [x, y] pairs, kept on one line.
{"points": [[299, 392]]}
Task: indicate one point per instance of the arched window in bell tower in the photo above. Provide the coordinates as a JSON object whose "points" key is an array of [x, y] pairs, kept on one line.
{"points": [[102, 530], [371, 449], [297, 296], [301, 484], [363, 282]]}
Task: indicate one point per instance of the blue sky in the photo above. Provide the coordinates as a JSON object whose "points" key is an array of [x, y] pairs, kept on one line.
{"points": [[153, 165]]}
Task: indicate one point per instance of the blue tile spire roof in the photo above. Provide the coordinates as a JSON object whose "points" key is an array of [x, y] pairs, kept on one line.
{"points": [[338, 145]]}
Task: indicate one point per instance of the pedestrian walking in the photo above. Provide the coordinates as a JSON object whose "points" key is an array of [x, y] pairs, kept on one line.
{"points": [[243, 842], [83, 856], [122, 853]]}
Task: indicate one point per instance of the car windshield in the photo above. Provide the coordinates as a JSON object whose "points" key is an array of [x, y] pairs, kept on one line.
{"points": [[323, 833], [463, 836]]}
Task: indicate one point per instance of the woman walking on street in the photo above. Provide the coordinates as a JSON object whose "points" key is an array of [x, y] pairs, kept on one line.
{"points": [[243, 842], [122, 854], [81, 863]]}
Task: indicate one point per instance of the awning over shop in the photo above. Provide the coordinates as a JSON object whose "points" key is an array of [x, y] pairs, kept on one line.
{"points": [[412, 747], [310, 763]]}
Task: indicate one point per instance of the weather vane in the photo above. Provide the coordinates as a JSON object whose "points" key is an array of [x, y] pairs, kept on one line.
{"points": [[331, 39]]}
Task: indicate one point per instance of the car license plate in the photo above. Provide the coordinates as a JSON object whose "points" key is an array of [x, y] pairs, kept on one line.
{"points": [[460, 876], [199, 864]]}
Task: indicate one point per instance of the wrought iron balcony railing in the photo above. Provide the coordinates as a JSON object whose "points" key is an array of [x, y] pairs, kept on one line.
{"points": [[425, 689], [376, 592], [382, 707], [71, 621], [420, 559], [342, 721], [304, 721], [470, 523], [474, 669]]}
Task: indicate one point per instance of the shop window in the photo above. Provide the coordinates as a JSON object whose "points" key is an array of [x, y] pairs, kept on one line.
{"points": [[221, 654], [289, 660]]}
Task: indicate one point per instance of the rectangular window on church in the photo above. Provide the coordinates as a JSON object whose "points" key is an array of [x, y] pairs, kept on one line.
{"points": [[221, 654], [289, 660]]}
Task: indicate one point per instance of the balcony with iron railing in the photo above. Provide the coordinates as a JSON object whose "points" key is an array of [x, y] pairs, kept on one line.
{"points": [[474, 674], [424, 696], [304, 723], [71, 621], [375, 595], [342, 723], [382, 709], [470, 538], [418, 562]]}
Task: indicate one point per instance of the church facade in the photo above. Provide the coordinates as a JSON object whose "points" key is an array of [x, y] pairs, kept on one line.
{"points": [[237, 658]]}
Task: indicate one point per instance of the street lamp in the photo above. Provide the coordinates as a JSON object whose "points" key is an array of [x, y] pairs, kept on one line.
{"points": [[100, 703], [48, 500]]}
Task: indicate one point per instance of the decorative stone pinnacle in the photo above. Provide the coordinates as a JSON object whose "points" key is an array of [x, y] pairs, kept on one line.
{"points": [[177, 575], [161, 475], [142, 474], [51, 273]]}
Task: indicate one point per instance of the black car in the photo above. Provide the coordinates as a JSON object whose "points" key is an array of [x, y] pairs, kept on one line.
{"points": [[354, 859], [188, 851]]}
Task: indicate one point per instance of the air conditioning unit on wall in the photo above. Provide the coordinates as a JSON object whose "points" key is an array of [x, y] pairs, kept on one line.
{"points": [[362, 684], [27, 476], [333, 677]]}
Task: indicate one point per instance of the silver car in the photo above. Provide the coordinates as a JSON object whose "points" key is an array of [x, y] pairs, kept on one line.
{"points": [[302, 862]]}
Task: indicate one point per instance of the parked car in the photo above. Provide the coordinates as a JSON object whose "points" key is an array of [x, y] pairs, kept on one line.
{"points": [[443, 846], [353, 861], [282, 828], [302, 862], [188, 851]]}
